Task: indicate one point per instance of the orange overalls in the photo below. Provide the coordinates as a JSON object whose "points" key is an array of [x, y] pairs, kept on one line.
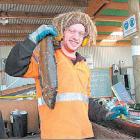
{"points": [[69, 119]]}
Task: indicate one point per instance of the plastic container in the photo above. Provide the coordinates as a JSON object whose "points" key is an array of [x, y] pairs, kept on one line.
{"points": [[19, 123]]}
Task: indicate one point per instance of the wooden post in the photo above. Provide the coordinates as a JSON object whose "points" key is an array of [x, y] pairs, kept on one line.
{"points": [[135, 42]]}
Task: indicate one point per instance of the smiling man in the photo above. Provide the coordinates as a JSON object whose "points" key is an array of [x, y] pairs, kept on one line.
{"points": [[69, 118], [73, 38]]}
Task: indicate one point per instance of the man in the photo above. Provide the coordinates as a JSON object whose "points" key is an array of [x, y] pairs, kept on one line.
{"points": [[69, 118]]}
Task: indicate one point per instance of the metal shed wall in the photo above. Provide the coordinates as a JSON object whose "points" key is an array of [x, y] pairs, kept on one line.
{"points": [[106, 56], [102, 57], [7, 80]]}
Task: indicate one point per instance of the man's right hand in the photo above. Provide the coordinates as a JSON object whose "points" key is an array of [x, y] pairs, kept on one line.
{"points": [[42, 32]]}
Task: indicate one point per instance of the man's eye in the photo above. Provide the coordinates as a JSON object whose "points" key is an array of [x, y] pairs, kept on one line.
{"points": [[72, 31], [81, 34]]}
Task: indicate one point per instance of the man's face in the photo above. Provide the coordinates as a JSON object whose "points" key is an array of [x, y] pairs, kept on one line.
{"points": [[73, 37]]}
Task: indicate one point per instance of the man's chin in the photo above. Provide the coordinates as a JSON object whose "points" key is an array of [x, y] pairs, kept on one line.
{"points": [[74, 48]]}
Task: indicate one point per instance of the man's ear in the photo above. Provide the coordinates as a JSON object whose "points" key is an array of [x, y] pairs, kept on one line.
{"points": [[85, 41]]}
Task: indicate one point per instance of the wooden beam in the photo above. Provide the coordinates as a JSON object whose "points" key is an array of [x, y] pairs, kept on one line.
{"points": [[111, 37], [18, 28], [13, 37], [114, 5], [70, 3], [18, 90], [24, 27], [109, 18], [7, 43], [117, 5], [94, 6], [113, 44], [108, 29], [9, 35], [25, 15], [43, 16]]}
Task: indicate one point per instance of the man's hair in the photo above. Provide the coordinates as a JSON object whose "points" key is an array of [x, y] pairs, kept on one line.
{"points": [[63, 21]]}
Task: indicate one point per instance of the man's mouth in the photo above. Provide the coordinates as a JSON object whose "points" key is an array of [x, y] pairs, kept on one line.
{"points": [[73, 42]]}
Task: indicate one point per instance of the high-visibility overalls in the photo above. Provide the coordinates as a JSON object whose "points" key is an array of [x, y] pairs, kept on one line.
{"points": [[69, 119]]}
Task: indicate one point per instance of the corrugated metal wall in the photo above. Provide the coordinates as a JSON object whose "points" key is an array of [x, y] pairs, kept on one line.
{"points": [[106, 56], [4, 51], [102, 57], [9, 81], [12, 82]]}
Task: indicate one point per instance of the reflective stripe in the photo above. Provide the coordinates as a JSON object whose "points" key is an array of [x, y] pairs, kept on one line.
{"points": [[41, 101], [69, 96], [72, 97]]}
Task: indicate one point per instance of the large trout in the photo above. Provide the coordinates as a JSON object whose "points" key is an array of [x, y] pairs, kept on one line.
{"points": [[48, 71]]}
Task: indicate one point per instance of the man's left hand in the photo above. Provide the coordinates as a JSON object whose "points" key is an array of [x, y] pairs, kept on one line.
{"points": [[115, 112]]}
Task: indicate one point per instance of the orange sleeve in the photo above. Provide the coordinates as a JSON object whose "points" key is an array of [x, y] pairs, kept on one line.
{"points": [[33, 70]]}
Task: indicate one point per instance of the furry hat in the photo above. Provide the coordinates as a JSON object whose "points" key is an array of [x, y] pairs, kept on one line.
{"points": [[63, 21]]}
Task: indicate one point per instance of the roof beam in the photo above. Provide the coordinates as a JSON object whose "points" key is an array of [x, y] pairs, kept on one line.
{"points": [[29, 27], [70, 3], [114, 5], [113, 44], [25, 15], [111, 37], [109, 18], [9, 35], [108, 29], [7, 44], [95, 6], [117, 5], [32, 15], [20, 27]]}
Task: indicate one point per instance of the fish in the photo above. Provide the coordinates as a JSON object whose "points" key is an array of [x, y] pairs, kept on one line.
{"points": [[48, 71]]}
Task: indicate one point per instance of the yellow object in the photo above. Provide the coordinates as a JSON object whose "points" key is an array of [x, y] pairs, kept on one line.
{"points": [[85, 42], [15, 97], [59, 37], [123, 117]]}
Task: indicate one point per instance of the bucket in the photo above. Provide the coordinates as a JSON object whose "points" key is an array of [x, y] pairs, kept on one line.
{"points": [[19, 123]]}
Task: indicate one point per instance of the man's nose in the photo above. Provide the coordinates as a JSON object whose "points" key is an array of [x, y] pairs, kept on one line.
{"points": [[77, 35]]}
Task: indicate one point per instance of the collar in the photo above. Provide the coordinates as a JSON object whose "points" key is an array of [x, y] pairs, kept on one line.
{"points": [[79, 58]]}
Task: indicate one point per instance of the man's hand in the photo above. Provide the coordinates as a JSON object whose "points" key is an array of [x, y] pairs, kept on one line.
{"points": [[115, 112], [42, 32]]}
